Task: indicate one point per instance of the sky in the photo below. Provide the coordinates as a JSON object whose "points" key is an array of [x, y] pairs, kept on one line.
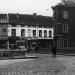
{"points": [[41, 7]]}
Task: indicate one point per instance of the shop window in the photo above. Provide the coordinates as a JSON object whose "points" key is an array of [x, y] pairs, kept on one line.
{"points": [[13, 32], [40, 33], [34, 33], [22, 32], [65, 14], [45, 33], [50, 34], [65, 28]]}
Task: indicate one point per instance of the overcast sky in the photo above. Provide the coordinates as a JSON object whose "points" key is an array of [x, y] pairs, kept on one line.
{"points": [[41, 7]]}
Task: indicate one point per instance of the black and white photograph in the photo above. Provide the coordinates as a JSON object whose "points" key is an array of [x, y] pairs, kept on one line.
{"points": [[37, 37]]}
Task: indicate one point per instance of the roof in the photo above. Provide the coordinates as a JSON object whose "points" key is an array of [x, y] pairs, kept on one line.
{"points": [[30, 19], [64, 5]]}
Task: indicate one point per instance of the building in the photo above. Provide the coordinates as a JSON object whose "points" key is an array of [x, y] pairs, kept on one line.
{"points": [[64, 16], [3, 31], [35, 31]]}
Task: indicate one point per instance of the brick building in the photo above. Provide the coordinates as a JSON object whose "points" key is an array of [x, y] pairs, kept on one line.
{"points": [[64, 16]]}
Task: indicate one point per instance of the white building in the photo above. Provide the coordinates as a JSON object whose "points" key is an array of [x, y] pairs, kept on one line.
{"points": [[30, 29], [31, 32]]}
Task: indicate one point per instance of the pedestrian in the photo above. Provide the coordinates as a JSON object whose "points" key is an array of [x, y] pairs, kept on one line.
{"points": [[54, 48], [54, 51]]}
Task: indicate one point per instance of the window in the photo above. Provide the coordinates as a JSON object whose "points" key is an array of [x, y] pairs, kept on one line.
{"points": [[22, 32], [65, 15], [45, 33], [65, 28], [29, 32], [40, 33], [13, 32], [34, 33], [4, 30], [65, 43], [59, 43], [50, 34]]}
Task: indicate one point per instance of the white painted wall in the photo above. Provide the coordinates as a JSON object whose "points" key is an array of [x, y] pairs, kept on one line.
{"points": [[18, 31]]}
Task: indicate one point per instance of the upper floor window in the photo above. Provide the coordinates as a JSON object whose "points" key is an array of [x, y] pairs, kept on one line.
{"points": [[65, 43], [59, 43], [65, 14], [13, 32], [65, 28], [34, 33], [40, 33], [23, 32], [29, 32], [45, 33], [50, 34]]}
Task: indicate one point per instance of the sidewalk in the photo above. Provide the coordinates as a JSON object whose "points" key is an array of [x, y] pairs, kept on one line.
{"points": [[20, 57]]}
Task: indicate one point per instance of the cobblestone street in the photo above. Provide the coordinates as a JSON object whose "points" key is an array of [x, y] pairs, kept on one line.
{"points": [[44, 65]]}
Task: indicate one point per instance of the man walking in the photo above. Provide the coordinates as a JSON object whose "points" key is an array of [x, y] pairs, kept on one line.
{"points": [[54, 47]]}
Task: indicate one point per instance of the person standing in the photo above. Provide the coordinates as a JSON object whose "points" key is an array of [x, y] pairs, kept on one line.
{"points": [[54, 47]]}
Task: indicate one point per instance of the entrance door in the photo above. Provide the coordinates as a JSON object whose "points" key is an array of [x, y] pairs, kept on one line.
{"points": [[44, 46]]}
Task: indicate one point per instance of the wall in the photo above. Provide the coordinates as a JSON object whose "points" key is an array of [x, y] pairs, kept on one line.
{"points": [[58, 16], [3, 31], [18, 31]]}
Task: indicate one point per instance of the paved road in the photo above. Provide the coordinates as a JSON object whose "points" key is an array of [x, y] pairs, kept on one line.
{"points": [[69, 62], [44, 65]]}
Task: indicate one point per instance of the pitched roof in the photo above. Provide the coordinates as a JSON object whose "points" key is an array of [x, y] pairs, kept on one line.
{"points": [[30, 19]]}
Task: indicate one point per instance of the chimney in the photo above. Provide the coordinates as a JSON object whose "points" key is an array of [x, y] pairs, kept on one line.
{"points": [[34, 14], [62, 1]]}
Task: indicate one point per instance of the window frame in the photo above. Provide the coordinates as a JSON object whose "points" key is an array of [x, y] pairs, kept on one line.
{"points": [[64, 44], [40, 33], [23, 33], [45, 33], [60, 43], [4, 30], [50, 34], [65, 14], [29, 32], [13, 31], [34, 34], [65, 30]]}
